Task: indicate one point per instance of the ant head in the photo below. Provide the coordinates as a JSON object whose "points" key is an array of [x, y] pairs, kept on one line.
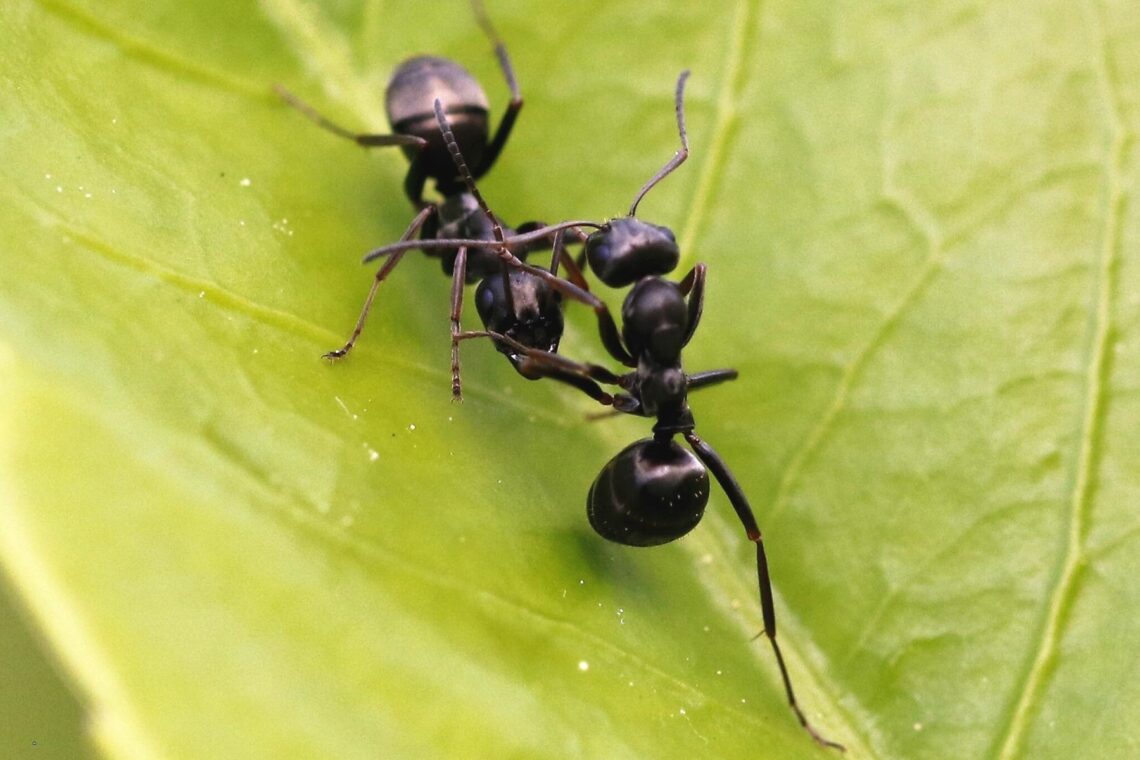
{"points": [[627, 249], [531, 315], [651, 493]]}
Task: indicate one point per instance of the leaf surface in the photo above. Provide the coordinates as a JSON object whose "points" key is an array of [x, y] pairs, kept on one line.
{"points": [[920, 230]]}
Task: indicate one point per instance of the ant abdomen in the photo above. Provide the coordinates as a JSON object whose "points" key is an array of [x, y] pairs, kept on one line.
{"points": [[651, 493], [410, 100]]}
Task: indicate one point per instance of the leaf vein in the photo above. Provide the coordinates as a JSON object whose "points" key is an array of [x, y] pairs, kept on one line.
{"points": [[1065, 585], [745, 18], [146, 52]]}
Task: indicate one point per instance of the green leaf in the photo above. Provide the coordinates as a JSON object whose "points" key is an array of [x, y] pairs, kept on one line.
{"points": [[921, 236]]}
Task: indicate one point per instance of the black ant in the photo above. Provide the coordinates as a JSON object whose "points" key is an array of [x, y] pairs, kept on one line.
{"points": [[435, 140], [654, 491]]}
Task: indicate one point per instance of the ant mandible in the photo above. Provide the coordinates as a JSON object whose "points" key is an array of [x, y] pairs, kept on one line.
{"points": [[416, 86], [654, 491]]}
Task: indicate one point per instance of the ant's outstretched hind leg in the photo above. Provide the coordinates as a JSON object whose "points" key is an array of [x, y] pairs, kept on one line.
{"points": [[381, 275], [739, 502]]}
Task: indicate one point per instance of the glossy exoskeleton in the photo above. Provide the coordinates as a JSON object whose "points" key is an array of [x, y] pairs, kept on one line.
{"points": [[415, 88], [654, 491], [516, 299]]}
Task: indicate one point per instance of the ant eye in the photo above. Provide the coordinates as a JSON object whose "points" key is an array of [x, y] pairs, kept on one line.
{"points": [[486, 295]]}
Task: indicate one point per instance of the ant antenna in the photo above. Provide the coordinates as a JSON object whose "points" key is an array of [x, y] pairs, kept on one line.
{"points": [[520, 239], [678, 157], [465, 172], [461, 165], [488, 28]]}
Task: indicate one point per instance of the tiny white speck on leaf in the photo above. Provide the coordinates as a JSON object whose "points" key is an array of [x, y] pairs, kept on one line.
{"points": [[246, 182], [583, 665]]}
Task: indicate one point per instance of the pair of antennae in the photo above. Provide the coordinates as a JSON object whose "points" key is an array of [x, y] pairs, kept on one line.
{"points": [[543, 232]]}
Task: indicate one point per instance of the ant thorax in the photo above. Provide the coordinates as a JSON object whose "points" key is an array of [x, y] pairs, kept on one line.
{"points": [[655, 319], [662, 391], [460, 217]]}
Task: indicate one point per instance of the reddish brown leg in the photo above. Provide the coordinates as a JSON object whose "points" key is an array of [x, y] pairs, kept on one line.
{"points": [[458, 280], [381, 275]]}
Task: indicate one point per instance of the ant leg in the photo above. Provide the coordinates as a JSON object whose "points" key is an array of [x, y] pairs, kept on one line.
{"points": [[415, 180], [693, 287], [516, 241], [541, 361], [458, 280], [720, 470], [573, 271], [507, 123], [416, 177], [560, 255], [587, 386], [381, 275], [699, 380], [362, 139], [579, 261], [535, 364], [584, 377]]}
